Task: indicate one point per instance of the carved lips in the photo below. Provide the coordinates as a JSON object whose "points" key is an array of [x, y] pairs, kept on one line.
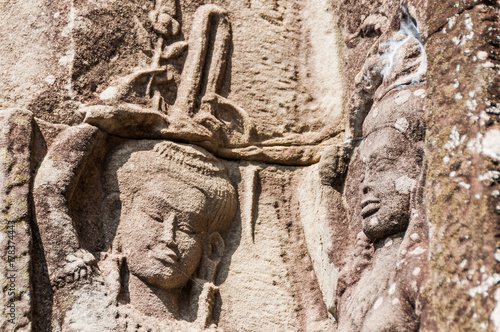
{"points": [[369, 207], [165, 255]]}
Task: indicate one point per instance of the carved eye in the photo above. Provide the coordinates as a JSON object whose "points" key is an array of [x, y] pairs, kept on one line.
{"points": [[155, 217], [383, 164], [185, 228]]}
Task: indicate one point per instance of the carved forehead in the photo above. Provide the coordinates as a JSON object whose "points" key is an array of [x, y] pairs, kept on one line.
{"points": [[164, 192], [385, 142]]}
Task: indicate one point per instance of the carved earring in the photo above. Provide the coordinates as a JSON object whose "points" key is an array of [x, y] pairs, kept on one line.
{"points": [[212, 257]]}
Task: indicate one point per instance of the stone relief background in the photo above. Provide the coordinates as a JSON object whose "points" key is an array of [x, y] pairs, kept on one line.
{"points": [[298, 103]]}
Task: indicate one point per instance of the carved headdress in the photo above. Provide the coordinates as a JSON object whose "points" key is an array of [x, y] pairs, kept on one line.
{"points": [[186, 163]]}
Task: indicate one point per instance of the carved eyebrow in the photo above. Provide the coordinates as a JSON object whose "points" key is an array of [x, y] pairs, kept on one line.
{"points": [[153, 204], [379, 157]]}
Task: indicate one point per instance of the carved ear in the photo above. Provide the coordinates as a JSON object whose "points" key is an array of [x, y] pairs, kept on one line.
{"points": [[212, 256], [217, 246]]}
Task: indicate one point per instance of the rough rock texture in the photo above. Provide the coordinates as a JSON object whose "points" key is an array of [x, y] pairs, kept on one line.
{"points": [[15, 235], [283, 165], [462, 182], [37, 52]]}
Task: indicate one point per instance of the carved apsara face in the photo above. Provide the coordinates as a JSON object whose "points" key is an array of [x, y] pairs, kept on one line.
{"points": [[164, 234], [386, 184]]}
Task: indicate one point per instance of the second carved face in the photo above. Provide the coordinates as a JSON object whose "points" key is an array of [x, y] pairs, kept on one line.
{"points": [[164, 234], [388, 180]]}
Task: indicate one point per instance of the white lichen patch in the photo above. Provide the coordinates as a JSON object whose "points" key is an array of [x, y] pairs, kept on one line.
{"points": [[414, 236], [418, 92], [483, 115], [482, 55], [495, 314], [50, 79], [468, 22], [451, 22], [392, 289], [374, 221], [401, 125], [483, 287], [417, 251], [491, 146], [416, 271], [489, 176], [464, 185], [493, 110], [404, 185], [402, 98], [378, 303], [471, 105], [497, 255], [455, 139], [395, 301], [475, 144]]}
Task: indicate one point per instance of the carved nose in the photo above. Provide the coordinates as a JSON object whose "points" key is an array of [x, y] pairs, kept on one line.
{"points": [[365, 189], [168, 234], [366, 183]]}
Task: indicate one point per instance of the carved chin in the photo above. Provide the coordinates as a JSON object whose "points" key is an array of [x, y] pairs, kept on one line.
{"points": [[380, 225]]}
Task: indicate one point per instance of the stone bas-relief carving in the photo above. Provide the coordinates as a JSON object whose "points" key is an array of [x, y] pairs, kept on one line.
{"points": [[175, 202], [164, 209], [129, 232], [380, 284], [375, 218], [193, 197], [199, 114], [379, 288], [179, 89]]}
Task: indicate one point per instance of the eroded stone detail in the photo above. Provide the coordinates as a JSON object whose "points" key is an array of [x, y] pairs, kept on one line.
{"points": [[219, 181], [165, 207], [200, 113], [379, 285], [15, 232]]}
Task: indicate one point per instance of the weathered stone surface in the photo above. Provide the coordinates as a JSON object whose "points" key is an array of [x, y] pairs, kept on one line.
{"points": [[15, 234], [37, 52], [303, 165], [462, 189]]}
